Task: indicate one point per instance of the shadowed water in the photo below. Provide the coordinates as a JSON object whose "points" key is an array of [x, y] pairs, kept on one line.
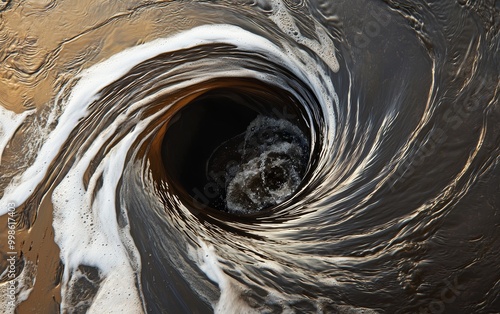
{"points": [[267, 156]]}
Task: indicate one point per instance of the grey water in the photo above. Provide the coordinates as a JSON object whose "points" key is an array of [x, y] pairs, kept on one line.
{"points": [[253, 156]]}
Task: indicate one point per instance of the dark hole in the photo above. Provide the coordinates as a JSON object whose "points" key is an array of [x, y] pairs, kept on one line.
{"points": [[204, 147], [195, 132]]}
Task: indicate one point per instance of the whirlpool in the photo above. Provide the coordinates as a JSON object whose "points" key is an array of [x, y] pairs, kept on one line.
{"points": [[249, 156]]}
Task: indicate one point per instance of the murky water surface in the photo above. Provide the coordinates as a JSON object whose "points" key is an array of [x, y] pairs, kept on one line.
{"points": [[269, 156]]}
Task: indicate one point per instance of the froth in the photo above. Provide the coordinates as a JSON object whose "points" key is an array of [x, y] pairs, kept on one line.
{"points": [[85, 228], [87, 232], [21, 286], [9, 123], [323, 47], [229, 301]]}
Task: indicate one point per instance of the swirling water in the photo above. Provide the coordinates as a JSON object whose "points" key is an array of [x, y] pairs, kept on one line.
{"points": [[378, 191]]}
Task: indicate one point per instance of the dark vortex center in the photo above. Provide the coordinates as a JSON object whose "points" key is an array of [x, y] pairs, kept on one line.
{"points": [[238, 150]]}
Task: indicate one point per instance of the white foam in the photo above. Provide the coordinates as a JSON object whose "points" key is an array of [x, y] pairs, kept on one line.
{"points": [[95, 78], [229, 301], [24, 284], [103, 244], [323, 47], [316, 78], [262, 137], [9, 123], [255, 168], [86, 229]]}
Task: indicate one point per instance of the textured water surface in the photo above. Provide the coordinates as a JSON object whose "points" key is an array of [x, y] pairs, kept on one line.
{"points": [[267, 156]]}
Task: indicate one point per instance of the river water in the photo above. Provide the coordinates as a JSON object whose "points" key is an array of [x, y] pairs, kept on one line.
{"points": [[253, 156]]}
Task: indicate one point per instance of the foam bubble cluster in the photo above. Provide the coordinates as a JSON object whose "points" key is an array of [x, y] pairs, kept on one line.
{"points": [[274, 156]]}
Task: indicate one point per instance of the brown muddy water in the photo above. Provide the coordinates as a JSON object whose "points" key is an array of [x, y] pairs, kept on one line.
{"points": [[253, 156]]}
